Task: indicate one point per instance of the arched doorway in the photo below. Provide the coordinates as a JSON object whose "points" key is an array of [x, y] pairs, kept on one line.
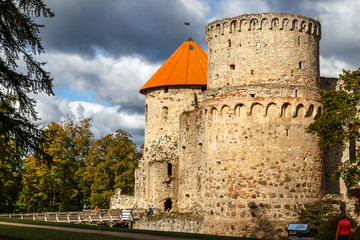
{"points": [[168, 205]]}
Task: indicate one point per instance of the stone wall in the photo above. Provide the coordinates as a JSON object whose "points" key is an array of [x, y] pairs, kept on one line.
{"points": [[189, 225], [191, 166], [122, 201], [163, 107]]}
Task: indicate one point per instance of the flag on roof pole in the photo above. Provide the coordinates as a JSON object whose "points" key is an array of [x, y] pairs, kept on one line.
{"points": [[188, 24]]}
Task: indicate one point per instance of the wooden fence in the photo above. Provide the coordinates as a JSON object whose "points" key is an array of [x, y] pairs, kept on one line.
{"points": [[99, 217]]}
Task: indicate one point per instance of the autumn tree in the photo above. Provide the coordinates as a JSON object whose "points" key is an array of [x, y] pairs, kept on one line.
{"points": [[111, 164], [10, 175], [20, 73], [340, 124], [57, 185]]}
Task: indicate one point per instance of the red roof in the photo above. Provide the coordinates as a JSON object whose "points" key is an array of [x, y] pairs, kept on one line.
{"points": [[187, 66]]}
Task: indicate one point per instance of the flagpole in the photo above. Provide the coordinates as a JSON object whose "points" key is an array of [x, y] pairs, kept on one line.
{"points": [[189, 30]]}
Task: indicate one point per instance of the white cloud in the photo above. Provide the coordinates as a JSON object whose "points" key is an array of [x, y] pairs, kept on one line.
{"points": [[340, 29], [105, 119], [332, 67], [116, 81], [196, 9]]}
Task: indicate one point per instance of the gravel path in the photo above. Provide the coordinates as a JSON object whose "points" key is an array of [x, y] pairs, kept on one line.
{"points": [[137, 236]]}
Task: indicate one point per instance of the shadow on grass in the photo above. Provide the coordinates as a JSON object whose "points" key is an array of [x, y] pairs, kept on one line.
{"points": [[104, 228]]}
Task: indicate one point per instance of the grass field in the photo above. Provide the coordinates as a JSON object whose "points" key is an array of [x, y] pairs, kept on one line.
{"points": [[46, 234], [35, 233]]}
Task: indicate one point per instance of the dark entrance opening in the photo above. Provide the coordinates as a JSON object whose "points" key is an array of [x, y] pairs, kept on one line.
{"points": [[168, 204]]}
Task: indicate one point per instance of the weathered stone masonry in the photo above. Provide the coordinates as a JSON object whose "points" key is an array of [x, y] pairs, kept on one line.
{"points": [[237, 154]]}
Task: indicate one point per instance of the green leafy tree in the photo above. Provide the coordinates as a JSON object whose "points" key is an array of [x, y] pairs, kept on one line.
{"points": [[340, 124], [10, 175], [111, 164], [39, 187], [57, 185], [20, 41]]}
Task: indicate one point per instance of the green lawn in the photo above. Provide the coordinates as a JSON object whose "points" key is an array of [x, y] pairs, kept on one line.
{"points": [[159, 233], [29, 233]]}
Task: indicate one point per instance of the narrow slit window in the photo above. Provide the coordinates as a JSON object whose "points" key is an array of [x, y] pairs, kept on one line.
{"points": [[165, 112], [300, 65], [287, 132], [229, 42], [252, 72], [299, 40], [169, 168]]}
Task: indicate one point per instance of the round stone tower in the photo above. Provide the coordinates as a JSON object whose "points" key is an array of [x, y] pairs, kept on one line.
{"points": [[262, 93], [175, 88]]}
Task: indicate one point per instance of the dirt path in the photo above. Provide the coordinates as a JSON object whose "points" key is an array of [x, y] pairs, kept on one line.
{"points": [[137, 236]]}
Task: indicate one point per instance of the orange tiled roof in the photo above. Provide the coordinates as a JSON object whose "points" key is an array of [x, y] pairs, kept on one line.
{"points": [[187, 66]]}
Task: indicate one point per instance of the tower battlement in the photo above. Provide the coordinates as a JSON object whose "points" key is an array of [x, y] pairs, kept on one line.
{"points": [[263, 22], [269, 48]]}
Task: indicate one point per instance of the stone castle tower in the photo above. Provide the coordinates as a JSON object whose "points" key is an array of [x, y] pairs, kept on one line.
{"points": [[234, 149], [262, 93]]}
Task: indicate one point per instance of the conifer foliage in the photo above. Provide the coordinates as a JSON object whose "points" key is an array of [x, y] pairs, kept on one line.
{"points": [[20, 73]]}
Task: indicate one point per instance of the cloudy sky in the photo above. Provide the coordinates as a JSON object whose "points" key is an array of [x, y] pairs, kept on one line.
{"points": [[101, 52]]}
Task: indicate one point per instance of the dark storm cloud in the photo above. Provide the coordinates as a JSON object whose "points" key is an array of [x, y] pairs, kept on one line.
{"points": [[153, 29]]}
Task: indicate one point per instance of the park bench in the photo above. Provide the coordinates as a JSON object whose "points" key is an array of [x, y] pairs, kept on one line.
{"points": [[127, 217]]}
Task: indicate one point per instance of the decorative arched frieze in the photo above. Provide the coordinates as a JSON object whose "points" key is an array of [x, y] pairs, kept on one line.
{"points": [[295, 25], [318, 113], [286, 110], [310, 111], [218, 27], [310, 28], [239, 110], [285, 25], [271, 110], [274, 23], [225, 26], [299, 111], [233, 26], [225, 112], [254, 24], [264, 24], [302, 26], [243, 25], [256, 109]]}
